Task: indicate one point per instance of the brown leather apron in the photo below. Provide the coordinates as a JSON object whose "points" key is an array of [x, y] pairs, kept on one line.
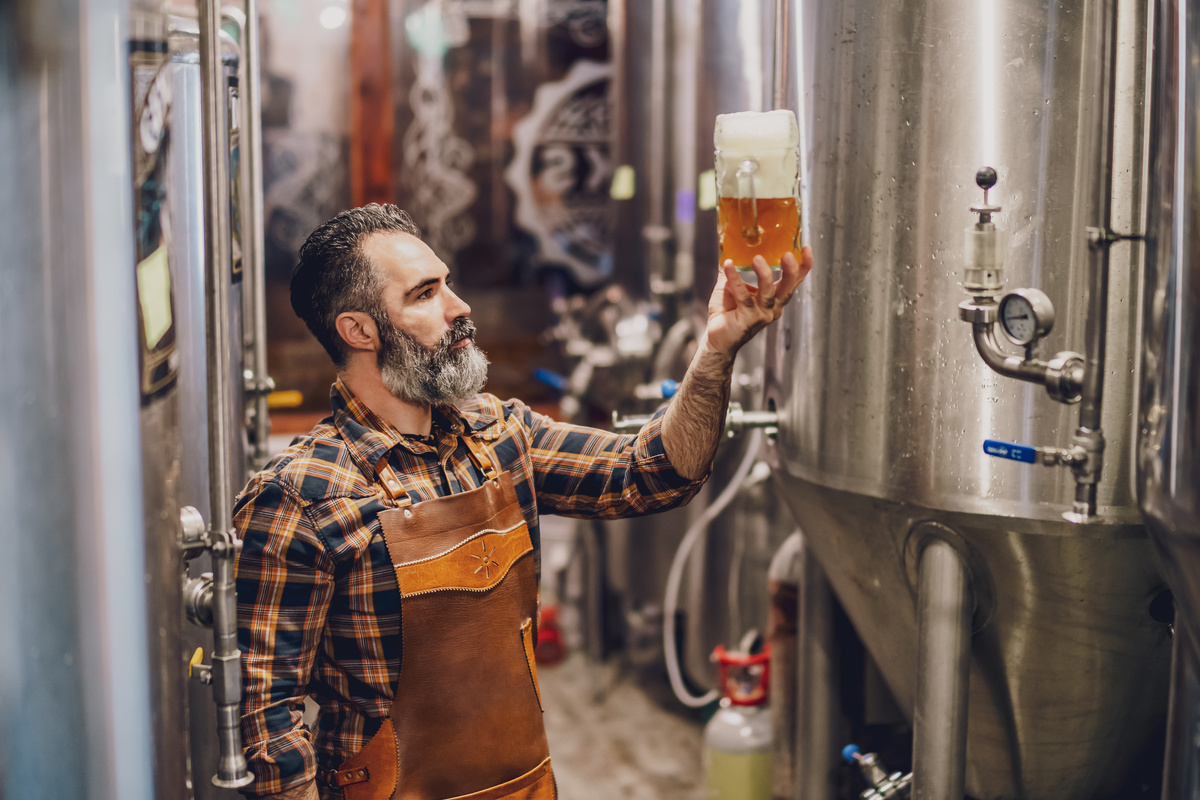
{"points": [[466, 719]]}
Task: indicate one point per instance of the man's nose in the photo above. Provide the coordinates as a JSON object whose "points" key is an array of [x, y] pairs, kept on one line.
{"points": [[458, 308]]}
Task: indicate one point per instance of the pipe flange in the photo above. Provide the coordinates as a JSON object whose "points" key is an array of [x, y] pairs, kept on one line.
{"points": [[978, 311], [983, 591], [1064, 377]]}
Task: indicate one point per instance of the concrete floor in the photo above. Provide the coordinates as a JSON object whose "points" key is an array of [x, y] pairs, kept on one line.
{"points": [[609, 740]]}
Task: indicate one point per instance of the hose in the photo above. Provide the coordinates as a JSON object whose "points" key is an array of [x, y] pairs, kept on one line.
{"points": [[675, 576]]}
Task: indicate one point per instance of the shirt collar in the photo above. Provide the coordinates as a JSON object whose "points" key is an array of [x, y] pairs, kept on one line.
{"points": [[370, 437]]}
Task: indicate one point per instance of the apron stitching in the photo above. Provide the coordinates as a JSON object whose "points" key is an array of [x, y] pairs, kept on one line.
{"points": [[405, 595], [472, 538]]}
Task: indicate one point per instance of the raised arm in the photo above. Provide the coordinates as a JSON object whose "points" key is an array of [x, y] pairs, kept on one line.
{"points": [[736, 311]]}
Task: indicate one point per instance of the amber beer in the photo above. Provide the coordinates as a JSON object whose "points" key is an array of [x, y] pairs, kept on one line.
{"points": [[758, 186], [777, 230]]}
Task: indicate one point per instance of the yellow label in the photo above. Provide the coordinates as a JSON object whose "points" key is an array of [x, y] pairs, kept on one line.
{"points": [[706, 190], [624, 183], [154, 295]]}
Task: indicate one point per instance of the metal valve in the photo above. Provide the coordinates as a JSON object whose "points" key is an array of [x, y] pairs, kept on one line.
{"points": [[882, 785], [984, 259]]}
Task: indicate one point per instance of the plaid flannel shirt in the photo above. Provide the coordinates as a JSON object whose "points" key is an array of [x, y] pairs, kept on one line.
{"points": [[318, 608]]}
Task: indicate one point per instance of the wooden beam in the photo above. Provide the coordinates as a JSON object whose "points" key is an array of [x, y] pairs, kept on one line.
{"points": [[372, 110]]}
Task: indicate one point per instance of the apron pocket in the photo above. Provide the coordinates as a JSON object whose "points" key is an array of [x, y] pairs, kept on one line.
{"points": [[537, 784], [527, 642], [372, 772]]}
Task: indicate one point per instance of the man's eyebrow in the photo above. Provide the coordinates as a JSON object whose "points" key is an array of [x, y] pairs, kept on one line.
{"points": [[422, 285]]}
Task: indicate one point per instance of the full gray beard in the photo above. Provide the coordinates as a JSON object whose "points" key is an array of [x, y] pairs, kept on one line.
{"points": [[434, 377]]}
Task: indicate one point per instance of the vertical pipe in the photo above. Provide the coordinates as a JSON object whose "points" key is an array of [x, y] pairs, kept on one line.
{"points": [[944, 607], [655, 232], [255, 234], [817, 684], [1089, 435], [226, 665], [686, 43], [779, 72]]}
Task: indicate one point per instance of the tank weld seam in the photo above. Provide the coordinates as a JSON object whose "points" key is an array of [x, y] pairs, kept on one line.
{"points": [[468, 540]]}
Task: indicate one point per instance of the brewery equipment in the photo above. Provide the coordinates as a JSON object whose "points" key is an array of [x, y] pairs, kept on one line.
{"points": [[950, 562], [1168, 446]]}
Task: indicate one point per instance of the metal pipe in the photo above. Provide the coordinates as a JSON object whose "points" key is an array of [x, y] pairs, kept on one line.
{"points": [[780, 66], [254, 238], [227, 684], [686, 26], [945, 602], [1062, 376], [817, 684], [1089, 435], [655, 233]]}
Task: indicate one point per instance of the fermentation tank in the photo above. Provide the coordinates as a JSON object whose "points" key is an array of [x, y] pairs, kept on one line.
{"points": [[1168, 447], [884, 403]]}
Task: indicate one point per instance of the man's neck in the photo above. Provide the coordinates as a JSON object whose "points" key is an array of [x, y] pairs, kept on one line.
{"points": [[368, 387]]}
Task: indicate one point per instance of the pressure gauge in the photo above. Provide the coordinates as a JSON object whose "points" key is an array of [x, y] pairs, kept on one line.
{"points": [[1026, 315]]}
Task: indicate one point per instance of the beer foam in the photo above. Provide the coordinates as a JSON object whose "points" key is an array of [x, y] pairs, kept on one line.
{"points": [[749, 131], [771, 140]]}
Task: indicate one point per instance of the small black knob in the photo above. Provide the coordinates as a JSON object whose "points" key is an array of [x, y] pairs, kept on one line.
{"points": [[986, 178]]}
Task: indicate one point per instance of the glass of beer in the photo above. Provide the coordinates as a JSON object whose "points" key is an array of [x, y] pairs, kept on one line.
{"points": [[758, 187]]}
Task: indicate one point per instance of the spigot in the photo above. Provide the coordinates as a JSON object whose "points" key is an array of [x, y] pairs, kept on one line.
{"points": [[737, 420], [881, 784]]}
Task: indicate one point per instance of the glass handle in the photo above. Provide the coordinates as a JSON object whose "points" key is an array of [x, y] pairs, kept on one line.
{"points": [[748, 203]]}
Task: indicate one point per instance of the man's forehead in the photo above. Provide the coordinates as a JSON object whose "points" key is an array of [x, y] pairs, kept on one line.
{"points": [[402, 257]]}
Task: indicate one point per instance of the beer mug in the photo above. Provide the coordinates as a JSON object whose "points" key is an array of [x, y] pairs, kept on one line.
{"points": [[758, 187]]}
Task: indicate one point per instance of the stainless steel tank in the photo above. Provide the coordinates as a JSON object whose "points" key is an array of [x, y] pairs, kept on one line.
{"points": [[884, 403], [1168, 447], [75, 672]]}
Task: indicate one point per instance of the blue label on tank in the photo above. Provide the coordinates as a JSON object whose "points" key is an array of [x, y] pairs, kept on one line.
{"points": [[1017, 452]]}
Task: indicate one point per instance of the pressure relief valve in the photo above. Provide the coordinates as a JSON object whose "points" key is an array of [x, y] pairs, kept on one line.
{"points": [[984, 259]]}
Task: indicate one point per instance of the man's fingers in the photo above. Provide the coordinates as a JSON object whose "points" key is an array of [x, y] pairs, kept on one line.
{"points": [[793, 273], [735, 286], [766, 282]]}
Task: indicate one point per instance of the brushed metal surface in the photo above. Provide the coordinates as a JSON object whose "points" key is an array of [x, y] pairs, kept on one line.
{"points": [[1068, 669], [1168, 454], [75, 671], [881, 389], [884, 403]]}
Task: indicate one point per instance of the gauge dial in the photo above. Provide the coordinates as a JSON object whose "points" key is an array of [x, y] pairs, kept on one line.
{"points": [[1026, 315]]}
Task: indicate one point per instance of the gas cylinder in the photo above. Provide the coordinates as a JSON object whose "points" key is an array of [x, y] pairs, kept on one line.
{"points": [[737, 740]]}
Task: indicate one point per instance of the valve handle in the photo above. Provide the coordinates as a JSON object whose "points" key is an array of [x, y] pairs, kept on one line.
{"points": [[986, 178], [1010, 450], [850, 753]]}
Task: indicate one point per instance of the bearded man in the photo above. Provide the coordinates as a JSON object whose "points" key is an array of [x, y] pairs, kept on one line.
{"points": [[390, 557]]}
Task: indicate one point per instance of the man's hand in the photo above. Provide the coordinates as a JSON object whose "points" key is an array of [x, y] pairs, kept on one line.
{"points": [[737, 310]]}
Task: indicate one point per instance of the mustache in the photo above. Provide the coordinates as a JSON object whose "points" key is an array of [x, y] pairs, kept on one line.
{"points": [[462, 328]]}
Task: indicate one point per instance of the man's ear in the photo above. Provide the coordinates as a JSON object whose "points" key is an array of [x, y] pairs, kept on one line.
{"points": [[357, 330]]}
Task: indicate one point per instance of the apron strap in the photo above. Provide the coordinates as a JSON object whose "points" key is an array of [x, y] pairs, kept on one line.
{"points": [[391, 483], [481, 454]]}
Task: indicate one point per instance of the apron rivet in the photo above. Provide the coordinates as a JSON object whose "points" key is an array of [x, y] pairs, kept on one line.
{"points": [[407, 512]]}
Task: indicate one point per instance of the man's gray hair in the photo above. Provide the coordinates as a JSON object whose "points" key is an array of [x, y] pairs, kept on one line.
{"points": [[334, 275]]}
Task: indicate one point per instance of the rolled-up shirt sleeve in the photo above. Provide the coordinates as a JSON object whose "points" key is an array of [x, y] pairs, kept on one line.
{"points": [[586, 472], [284, 586]]}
